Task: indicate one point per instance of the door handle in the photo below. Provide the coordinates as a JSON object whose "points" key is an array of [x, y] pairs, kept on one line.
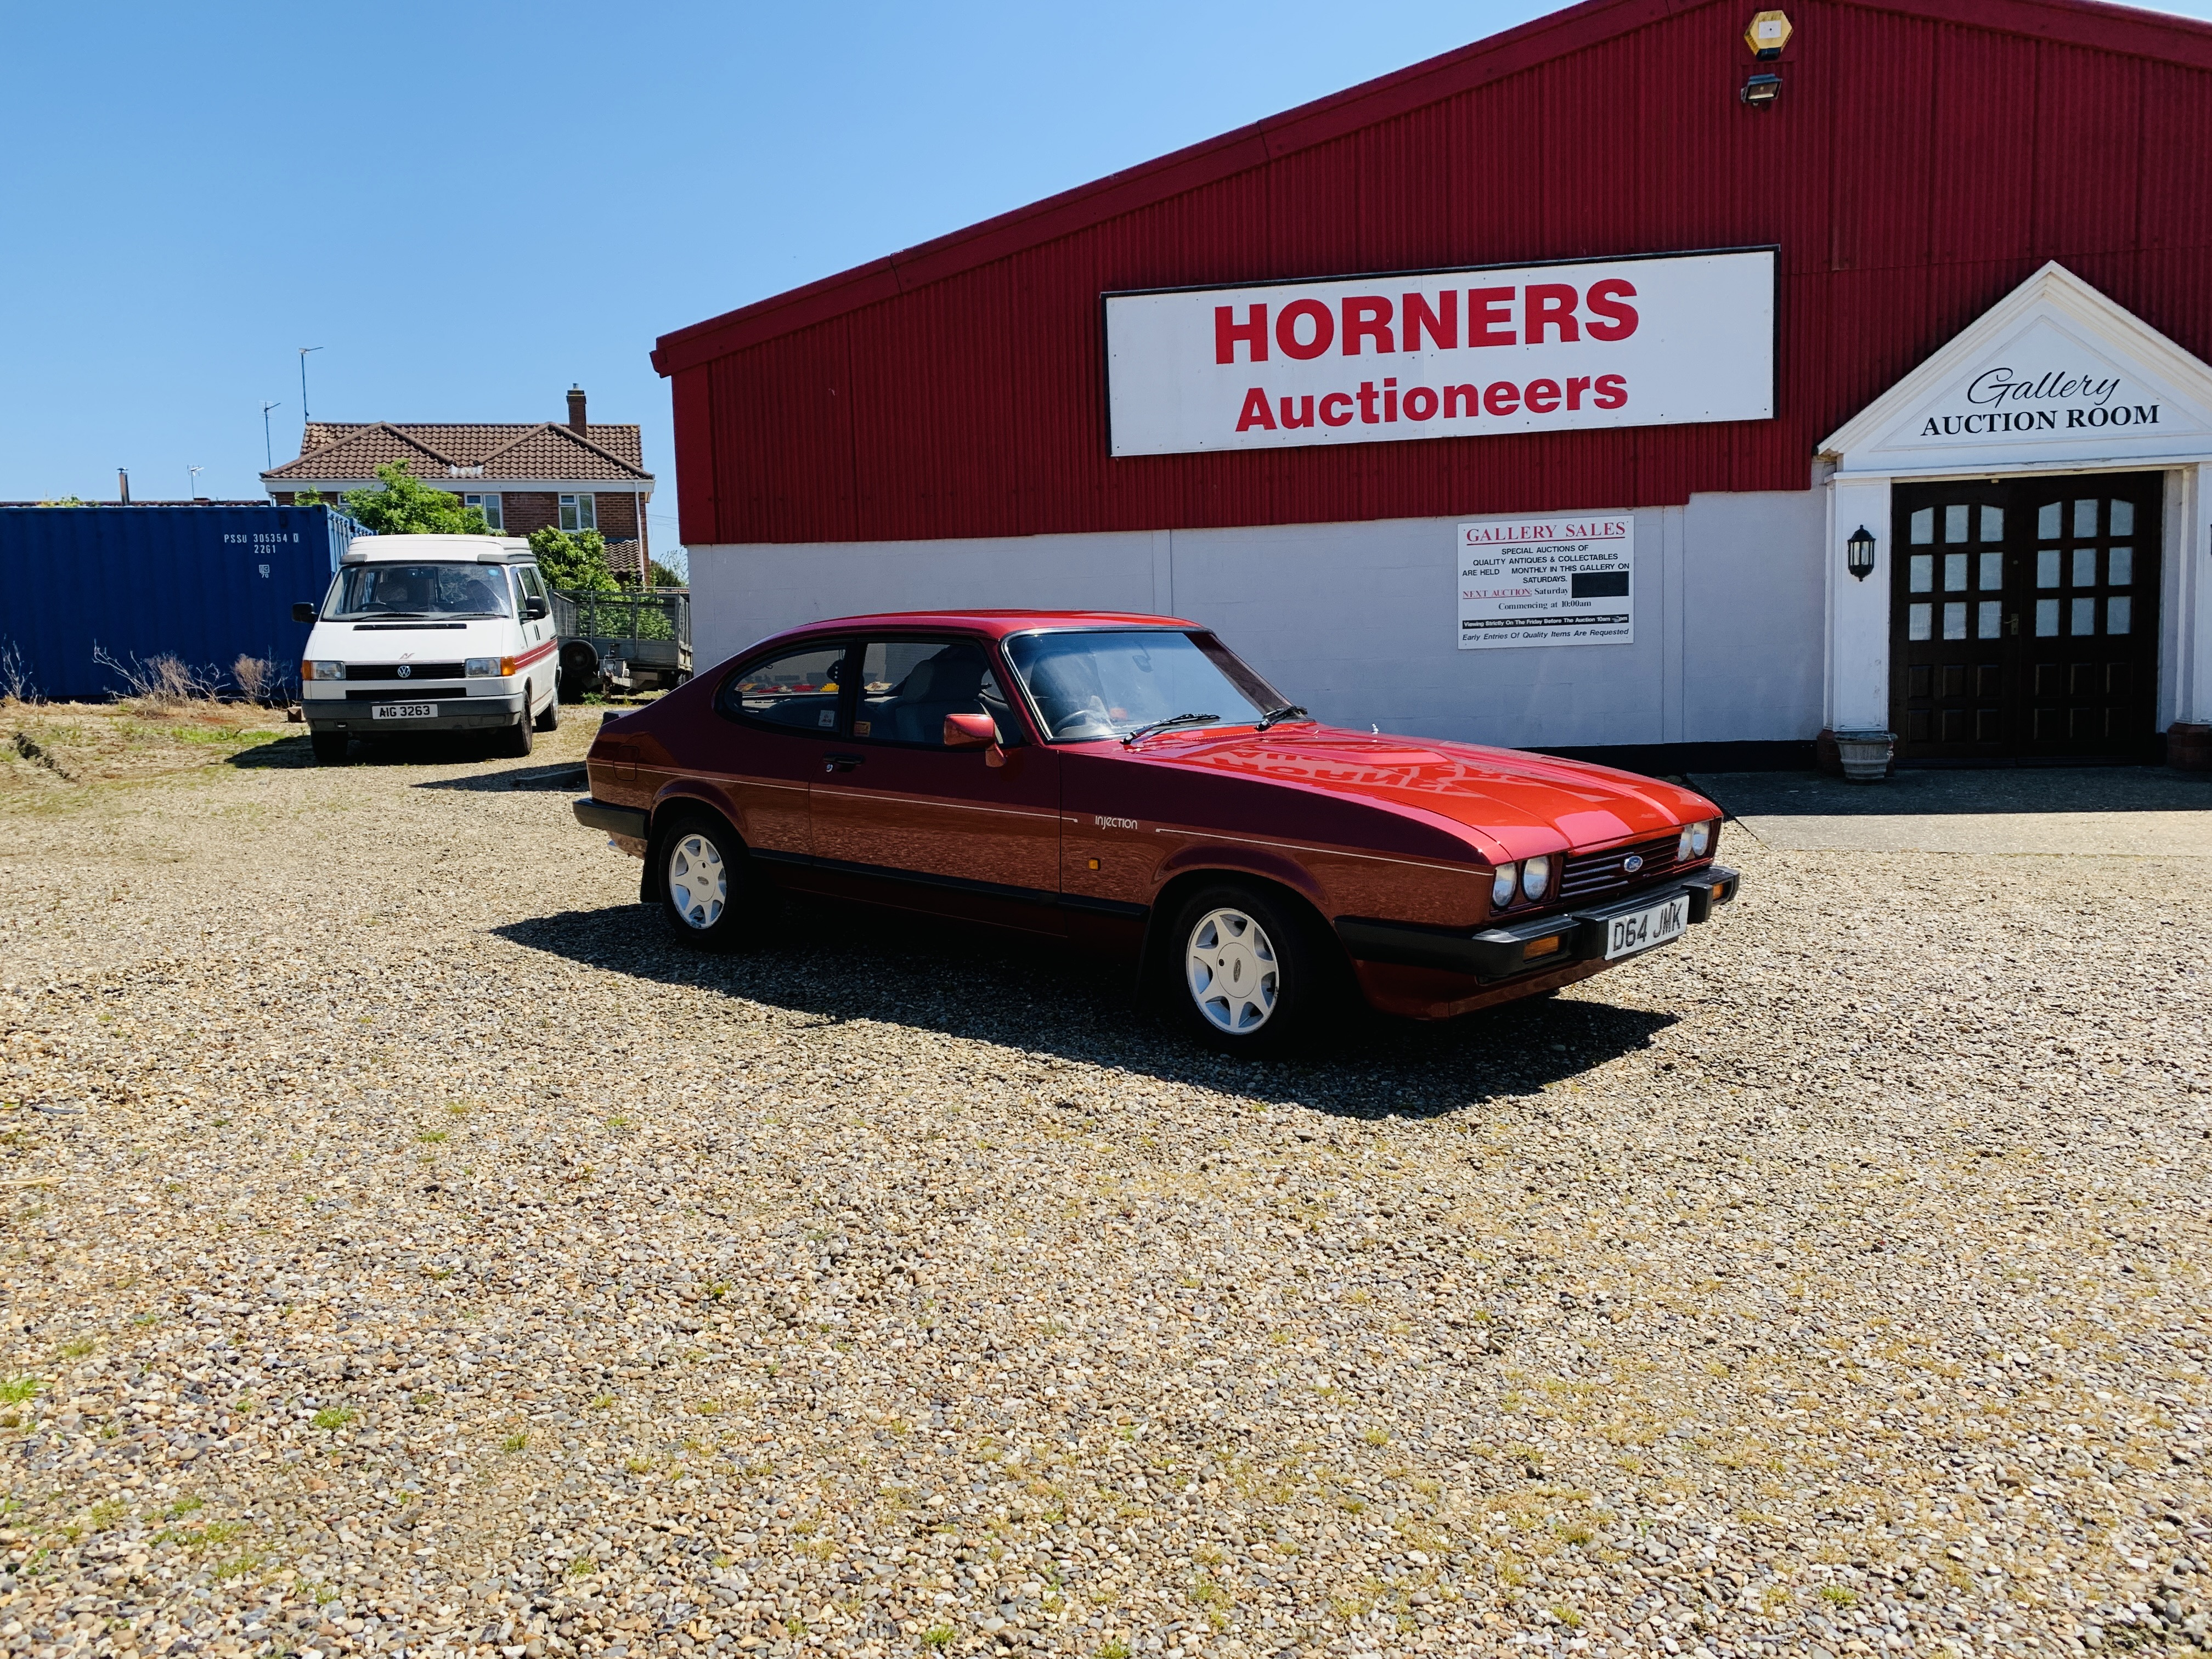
{"points": [[839, 762]]}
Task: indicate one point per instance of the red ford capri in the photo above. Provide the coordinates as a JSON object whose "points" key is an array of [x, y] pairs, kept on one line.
{"points": [[1126, 783]]}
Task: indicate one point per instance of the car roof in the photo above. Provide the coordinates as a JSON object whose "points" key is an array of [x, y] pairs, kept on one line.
{"points": [[996, 623]]}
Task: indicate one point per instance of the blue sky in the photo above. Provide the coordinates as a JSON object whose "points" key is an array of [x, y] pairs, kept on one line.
{"points": [[468, 205]]}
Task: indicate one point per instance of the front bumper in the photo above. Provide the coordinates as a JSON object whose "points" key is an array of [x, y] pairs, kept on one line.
{"points": [[1500, 954], [477, 714]]}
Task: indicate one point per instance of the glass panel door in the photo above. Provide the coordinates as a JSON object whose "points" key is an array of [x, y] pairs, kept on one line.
{"points": [[2024, 617]]}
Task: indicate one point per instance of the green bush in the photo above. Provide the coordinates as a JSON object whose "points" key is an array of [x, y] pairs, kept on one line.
{"points": [[575, 562], [403, 505]]}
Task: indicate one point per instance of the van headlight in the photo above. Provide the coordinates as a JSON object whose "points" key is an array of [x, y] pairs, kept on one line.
{"points": [[1535, 877], [481, 668], [322, 670], [1502, 885]]}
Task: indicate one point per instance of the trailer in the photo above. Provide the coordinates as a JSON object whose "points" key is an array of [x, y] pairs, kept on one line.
{"points": [[631, 640]]}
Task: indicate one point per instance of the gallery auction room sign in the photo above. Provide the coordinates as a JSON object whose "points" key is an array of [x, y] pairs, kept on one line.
{"points": [[1566, 580], [1643, 342]]}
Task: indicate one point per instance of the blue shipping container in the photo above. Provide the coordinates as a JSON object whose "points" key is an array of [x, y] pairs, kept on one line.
{"points": [[204, 584]]}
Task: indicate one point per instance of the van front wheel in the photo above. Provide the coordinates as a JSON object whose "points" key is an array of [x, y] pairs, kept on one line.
{"points": [[329, 747], [518, 739], [549, 718]]}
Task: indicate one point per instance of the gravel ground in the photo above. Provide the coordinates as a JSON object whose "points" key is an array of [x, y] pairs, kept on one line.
{"points": [[406, 1249]]}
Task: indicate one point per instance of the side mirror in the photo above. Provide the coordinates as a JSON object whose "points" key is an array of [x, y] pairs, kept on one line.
{"points": [[969, 730], [304, 612], [533, 608]]}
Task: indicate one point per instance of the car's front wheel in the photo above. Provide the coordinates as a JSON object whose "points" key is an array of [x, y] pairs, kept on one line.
{"points": [[711, 895], [329, 747], [1251, 975]]}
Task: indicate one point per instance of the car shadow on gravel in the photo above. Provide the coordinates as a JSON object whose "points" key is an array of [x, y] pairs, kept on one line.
{"points": [[840, 963], [277, 752], [567, 775]]}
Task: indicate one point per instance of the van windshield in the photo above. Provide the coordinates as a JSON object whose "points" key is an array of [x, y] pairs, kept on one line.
{"points": [[367, 591]]}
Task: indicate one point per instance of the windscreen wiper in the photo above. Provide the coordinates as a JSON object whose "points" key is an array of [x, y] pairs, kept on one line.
{"points": [[1172, 720], [1288, 711]]}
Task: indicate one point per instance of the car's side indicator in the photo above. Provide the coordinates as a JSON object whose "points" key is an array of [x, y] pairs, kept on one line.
{"points": [[1092, 863]]}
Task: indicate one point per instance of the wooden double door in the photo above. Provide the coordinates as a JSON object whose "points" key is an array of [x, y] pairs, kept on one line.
{"points": [[2024, 619]]}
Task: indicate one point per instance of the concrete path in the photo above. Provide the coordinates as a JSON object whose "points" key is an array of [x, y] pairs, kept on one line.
{"points": [[2142, 811]]}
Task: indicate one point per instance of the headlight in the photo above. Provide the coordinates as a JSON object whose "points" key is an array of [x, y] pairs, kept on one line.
{"points": [[1502, 885], [322, 670], [479, 668], [1692, 841], [1535, 877]]}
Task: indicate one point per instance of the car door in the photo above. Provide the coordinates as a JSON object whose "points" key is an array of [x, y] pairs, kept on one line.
{"points": [[908, 820], [778, 709]]}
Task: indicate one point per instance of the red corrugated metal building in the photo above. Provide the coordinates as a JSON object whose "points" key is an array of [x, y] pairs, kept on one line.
{"points": [[1953, 189]]}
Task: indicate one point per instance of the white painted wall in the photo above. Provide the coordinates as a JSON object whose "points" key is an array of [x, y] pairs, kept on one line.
{"points": [[1357, 620]]}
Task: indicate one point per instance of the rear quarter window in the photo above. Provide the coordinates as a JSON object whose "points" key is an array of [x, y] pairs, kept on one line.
{"points": [[798, 690]]}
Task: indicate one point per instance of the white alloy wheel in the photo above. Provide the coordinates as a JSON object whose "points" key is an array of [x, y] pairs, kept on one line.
{"points": [[1230, 967], [698, 880]]}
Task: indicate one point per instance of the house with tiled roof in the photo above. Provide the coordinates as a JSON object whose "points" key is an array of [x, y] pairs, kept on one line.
{"points": [[576, 475]]}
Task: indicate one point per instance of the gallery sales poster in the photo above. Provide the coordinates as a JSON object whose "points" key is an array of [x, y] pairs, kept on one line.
{"points": [[1564, 580]]}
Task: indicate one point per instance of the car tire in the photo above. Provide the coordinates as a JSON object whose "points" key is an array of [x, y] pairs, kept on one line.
{"points": [[549, 718], [519, 738], [712, 895], [329, 747], [1248, 972]]}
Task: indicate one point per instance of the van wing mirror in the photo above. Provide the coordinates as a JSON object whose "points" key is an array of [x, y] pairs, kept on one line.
{"points": [[969, 730], [533, 608], [303, 612]]}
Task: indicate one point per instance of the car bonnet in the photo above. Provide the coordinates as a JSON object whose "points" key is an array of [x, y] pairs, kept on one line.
{"points": [[1527, 802]]}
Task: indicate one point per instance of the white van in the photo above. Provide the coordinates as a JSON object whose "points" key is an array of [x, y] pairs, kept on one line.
{"points": [[431, 634]]}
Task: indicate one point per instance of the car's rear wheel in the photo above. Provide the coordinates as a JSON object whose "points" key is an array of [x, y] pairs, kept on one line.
{"points": [[1250, 973], [712, 895]]}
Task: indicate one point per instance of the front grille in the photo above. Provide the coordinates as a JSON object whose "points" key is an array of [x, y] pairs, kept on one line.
{"points": [[397, 694], [1587, 873], [416, 670]]}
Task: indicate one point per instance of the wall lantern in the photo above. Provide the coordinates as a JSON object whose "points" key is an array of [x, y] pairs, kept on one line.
{"points": [[1761, 90], [1858, 553]]}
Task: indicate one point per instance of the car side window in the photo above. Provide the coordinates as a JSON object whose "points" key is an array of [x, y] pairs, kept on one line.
{"points": [[909, 686], [798, 690]]}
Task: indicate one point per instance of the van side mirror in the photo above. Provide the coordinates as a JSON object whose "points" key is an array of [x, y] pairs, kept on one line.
{"points": [[533, 608], [303, 612]]}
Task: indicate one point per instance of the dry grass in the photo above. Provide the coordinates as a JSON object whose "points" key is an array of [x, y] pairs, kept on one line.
{"points": [[60, 750]]}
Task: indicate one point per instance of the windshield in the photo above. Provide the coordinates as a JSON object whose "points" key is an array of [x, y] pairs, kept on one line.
{"points": [[420, 590], [1109, 683]]}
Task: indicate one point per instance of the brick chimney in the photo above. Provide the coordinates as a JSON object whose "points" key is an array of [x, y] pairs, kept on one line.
{"points": [[576, 411]]}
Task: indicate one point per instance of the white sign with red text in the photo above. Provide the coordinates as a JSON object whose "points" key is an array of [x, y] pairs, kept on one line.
{"points": [[1566, 579], [1554, 348]]}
